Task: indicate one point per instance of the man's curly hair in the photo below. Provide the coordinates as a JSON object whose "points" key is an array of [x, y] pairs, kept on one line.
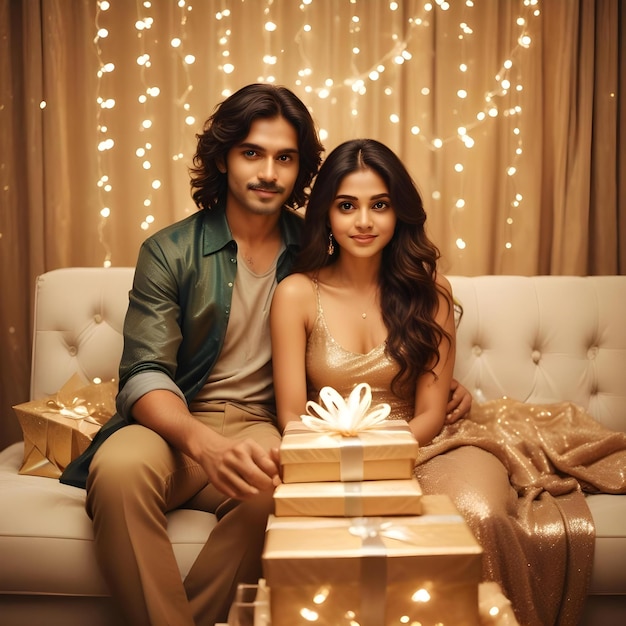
{"points": [[230, 124]]}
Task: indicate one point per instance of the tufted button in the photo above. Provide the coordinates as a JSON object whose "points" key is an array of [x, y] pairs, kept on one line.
{"points": [[536, 356], [233, 260], [73, 350], [592, 353], [477, 350], [97, 318], [230, 284]]}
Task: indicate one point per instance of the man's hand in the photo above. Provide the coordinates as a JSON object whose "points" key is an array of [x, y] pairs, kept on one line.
{"points": [[241, 469], [459, 402]]}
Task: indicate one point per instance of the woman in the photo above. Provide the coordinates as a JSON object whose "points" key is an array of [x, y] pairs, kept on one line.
{"points": [[367, 304]]}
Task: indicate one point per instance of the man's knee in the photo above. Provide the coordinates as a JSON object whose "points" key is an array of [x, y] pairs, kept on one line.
{"points": [[122, 465]]}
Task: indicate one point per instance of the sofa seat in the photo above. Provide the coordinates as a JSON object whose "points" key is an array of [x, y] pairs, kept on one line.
{"points": [[535, 339], [47, 536]]}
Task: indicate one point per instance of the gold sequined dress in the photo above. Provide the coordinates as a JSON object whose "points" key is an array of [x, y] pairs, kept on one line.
{"points": [[516, 471]]}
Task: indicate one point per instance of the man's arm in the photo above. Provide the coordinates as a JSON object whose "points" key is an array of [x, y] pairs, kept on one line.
{"points": [[459, 402], [239, 469]]}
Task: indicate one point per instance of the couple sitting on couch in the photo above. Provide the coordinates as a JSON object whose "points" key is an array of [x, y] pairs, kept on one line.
{"points": [[355, 297]]}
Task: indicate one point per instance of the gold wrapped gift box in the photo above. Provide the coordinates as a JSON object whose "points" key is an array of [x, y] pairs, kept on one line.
{"points": [[387, 452], [59, 428], [374, 571], [349, 499]]}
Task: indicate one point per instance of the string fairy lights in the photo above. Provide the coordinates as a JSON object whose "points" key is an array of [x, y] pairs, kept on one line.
{"points": [[358, 79], [106, 142]]}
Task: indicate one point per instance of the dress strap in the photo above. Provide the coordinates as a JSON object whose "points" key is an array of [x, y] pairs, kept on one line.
{"points": [[316, 287]]}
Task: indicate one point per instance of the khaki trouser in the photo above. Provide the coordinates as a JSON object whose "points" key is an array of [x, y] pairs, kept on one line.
{"points": [[135, 478]]}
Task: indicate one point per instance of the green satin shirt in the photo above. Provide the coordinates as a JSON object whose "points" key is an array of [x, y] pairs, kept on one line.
{"points": [[178, 311]]}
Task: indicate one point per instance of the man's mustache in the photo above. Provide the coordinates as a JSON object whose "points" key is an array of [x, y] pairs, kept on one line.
{"points": [[273, 187]]}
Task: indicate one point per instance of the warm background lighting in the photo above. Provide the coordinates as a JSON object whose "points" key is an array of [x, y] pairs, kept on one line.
{"points": [[457, 118]]}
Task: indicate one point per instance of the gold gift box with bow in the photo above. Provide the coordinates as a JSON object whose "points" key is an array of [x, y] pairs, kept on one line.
{"points": [[375, 571], [346, 440], [386, 453], [59, 428]]}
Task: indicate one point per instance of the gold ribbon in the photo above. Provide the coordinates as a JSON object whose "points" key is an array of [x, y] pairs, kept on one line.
{"points": [[94, 403], [75, 411]]}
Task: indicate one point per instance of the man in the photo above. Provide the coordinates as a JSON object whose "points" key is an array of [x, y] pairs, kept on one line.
{"points": [[196, 421]]}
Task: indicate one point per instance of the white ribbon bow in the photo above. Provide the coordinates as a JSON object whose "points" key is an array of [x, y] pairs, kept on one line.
{"points": [[346, 418], [76, 411]]}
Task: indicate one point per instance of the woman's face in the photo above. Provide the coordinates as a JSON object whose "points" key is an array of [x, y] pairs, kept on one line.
{"points": [[361, 217]]}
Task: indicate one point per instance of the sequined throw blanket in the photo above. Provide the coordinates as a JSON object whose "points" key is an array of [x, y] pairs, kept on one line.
{"points": [[553, 454]]}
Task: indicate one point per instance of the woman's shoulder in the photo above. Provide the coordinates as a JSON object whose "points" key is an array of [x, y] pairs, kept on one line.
{"points": [[443, 282], [295, 298], [295, 285]]}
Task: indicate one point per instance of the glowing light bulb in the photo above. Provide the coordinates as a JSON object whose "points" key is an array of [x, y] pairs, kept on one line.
{"points": [[421, 595]]}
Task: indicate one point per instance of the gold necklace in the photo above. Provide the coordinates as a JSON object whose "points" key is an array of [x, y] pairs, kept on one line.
{"points": [[364, 314]]}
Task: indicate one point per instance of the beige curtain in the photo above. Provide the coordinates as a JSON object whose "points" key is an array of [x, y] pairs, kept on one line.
{"points": [[506, 112]]}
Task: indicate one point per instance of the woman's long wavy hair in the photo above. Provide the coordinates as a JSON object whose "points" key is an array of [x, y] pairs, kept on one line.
{"points": [[230, 124], [408, 290]]}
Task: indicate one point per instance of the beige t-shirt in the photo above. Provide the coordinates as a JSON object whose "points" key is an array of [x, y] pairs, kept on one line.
{"points": [[243, 372]]}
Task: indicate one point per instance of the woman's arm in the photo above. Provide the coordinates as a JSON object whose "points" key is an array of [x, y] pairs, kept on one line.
{"points": [[292, 313], [431, 395]]}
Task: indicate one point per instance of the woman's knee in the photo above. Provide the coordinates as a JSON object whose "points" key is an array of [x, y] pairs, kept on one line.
{"points": [[475, 480]]}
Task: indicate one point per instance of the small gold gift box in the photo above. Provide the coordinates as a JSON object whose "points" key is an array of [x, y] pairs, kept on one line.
{"points": [[374, 571], [59, 428], [349, 499], [387, 452]]}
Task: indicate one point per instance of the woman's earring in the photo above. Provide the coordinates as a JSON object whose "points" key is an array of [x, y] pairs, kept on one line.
{"points": [[331, 247]]}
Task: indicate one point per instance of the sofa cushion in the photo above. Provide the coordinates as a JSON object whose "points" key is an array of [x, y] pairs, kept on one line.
{"points": [[609, 570], [46, 535]]}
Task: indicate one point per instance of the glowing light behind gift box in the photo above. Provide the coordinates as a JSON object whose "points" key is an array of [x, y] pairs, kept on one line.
{"points": [[503, 100]]}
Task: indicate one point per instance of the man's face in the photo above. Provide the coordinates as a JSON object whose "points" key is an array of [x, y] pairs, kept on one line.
{"points": [[263, 168]]}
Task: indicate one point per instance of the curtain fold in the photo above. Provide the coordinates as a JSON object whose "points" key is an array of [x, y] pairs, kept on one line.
{"points": [[508, 114]]}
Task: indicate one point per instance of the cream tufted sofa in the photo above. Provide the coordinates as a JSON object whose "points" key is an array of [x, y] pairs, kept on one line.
{"points": [[535, 339]]}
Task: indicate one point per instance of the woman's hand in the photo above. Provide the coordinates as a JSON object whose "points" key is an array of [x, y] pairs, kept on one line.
{"points": [[459, 402]]}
